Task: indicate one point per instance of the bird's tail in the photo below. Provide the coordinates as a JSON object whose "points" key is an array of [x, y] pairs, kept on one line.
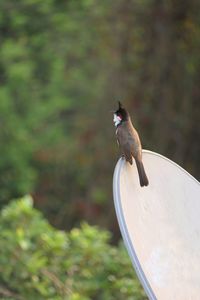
{"points": [[142, 175]]}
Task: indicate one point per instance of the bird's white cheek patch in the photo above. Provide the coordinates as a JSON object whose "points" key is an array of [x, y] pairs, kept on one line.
{"points": [[116, 120]]}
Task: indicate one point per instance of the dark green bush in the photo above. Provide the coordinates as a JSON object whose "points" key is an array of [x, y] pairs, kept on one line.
{"points": [[39, 262]]}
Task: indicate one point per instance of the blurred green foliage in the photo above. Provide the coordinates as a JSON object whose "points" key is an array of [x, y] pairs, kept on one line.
{"points": [[63, 66], [40, 262]]}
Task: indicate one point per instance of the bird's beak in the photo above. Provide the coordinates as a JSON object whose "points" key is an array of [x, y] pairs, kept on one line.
{"points": [[112, 111]]}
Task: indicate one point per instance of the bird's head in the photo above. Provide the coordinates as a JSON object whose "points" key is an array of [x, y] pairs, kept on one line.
{"points": [[120, 115]]}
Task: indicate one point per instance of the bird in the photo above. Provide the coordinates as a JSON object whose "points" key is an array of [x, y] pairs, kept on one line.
{"points": [[129, 141]]}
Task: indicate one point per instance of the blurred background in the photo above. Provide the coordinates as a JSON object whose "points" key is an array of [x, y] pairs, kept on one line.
{"points": [[64, 64], [63, 67]]}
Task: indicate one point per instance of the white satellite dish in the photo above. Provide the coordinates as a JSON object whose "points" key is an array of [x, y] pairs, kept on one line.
{"points": [[160, 225]]}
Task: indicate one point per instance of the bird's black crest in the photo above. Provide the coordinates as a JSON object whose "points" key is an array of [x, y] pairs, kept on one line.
{"points": [[122, 112]]}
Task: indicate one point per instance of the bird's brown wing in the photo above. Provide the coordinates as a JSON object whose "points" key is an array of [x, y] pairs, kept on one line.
{"points": [[136, 148], [125, 143]]}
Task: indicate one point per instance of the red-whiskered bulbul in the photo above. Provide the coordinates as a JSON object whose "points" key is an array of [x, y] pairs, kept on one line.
{"points": [[129, 141]]}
